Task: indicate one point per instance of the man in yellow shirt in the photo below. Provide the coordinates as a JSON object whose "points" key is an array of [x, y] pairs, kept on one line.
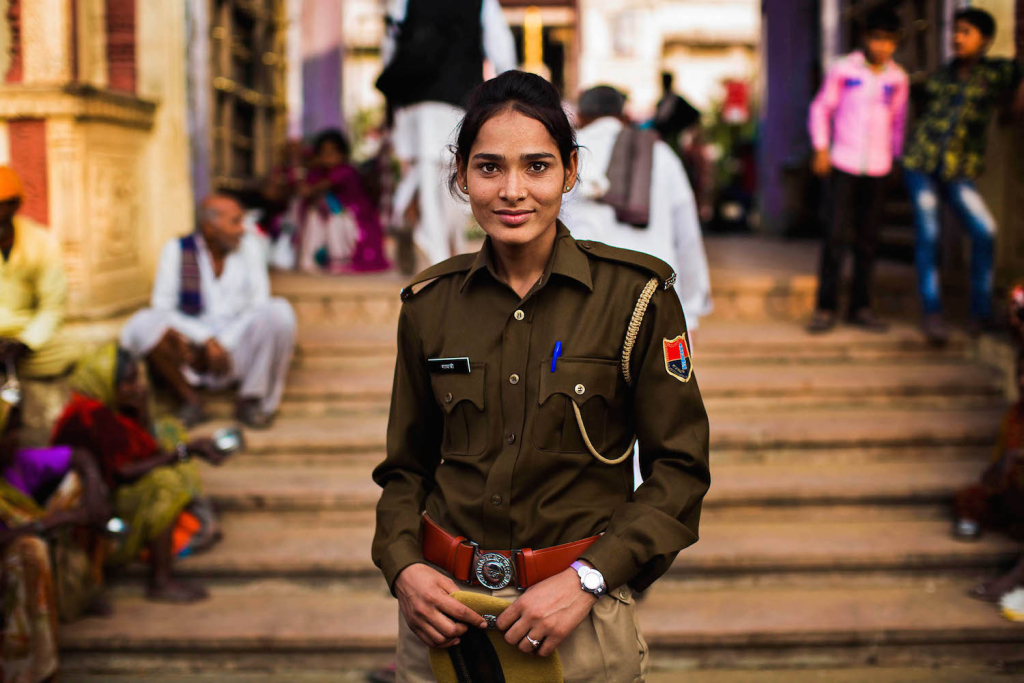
{"points": [[33, 290]]}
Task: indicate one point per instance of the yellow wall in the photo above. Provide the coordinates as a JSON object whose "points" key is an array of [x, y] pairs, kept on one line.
{"points": [[166, 171], [117, 164]]}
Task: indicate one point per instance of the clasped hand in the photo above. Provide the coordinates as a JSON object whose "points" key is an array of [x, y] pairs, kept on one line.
{"points": [[547, 612]]}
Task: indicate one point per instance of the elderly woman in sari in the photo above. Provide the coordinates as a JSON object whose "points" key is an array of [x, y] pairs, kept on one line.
{"points": [[52, 503], [148, 466]]}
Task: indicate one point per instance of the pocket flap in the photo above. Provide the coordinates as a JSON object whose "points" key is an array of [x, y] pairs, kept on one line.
{"points": [[579, 379], [450, 390]]}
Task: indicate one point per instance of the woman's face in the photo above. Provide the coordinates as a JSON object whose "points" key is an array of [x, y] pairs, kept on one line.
{"points": [[131, 390], [515, 179], [329, 155]]}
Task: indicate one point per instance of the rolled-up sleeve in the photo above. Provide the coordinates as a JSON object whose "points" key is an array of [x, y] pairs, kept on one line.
{"points": [[413, 454], [646, 533]]}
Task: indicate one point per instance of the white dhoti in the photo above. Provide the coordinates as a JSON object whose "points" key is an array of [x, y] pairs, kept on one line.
{"points": [[260, 355], [422, 137]]}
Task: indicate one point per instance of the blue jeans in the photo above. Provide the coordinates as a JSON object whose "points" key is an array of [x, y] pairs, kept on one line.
{"points": [[926, 191]]}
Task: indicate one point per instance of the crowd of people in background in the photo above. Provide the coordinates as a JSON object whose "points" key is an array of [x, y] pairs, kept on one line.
{"points": [[116, 481], [112, 480]]}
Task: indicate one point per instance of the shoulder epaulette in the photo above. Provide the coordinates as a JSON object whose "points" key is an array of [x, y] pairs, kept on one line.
{"points": [[637, 259], [456, 264]]}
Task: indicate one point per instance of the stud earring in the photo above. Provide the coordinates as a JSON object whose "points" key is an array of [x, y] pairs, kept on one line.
{"points": [[465, 188]]}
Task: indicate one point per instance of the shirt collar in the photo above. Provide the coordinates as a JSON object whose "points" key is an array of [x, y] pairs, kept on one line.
{"points": [[862, 61], [603, 124], [567, 260]]}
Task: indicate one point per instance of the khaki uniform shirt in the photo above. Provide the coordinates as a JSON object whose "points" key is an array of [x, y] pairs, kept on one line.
{"points": [[496, 454]]}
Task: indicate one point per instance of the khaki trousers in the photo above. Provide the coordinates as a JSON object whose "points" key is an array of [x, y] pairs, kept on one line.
{"points": [[607, 646]]}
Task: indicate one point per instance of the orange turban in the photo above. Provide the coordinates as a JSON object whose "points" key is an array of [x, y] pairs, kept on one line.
{"points": [[10, 184]]}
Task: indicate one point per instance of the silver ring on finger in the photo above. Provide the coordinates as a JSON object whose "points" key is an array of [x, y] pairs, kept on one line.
{"points": [[534, 643]]}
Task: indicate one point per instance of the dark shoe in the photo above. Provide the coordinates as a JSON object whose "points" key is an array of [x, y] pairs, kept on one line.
{"points": [[868, 321], [823, 321], [249, 414], [934, 328], [386, 675], [177, 593], [192, 414], [977, 327]]}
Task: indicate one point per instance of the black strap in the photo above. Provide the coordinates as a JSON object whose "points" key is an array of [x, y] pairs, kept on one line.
{"points": [[475, 659]]}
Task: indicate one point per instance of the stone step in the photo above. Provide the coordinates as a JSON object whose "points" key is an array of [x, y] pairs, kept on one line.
{"points": [[716, 342], [337, 544], [365, 430], [758, 279], [273, 621], [250, 485], [949, 673], [360, 380]]}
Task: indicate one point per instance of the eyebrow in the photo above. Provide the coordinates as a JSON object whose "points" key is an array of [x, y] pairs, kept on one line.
{"points": [[533, 156]]}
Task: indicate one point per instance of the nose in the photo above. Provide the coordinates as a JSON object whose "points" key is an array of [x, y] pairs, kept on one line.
{"points": [[513, 188]]}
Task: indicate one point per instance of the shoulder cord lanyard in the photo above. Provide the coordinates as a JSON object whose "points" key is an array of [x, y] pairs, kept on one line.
{"points": [[627, 352]]}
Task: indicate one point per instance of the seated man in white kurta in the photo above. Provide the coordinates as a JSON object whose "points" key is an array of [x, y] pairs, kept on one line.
{"points": [[212, 322]]}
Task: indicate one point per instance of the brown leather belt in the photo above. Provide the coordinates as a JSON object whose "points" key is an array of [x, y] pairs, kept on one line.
{"points": [[496, 569]]}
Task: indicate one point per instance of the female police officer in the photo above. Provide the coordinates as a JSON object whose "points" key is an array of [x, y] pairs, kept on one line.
{"points": [[525, 373]]}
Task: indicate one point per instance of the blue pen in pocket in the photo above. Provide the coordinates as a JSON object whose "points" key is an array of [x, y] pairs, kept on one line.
{"points": [[555, 354]]}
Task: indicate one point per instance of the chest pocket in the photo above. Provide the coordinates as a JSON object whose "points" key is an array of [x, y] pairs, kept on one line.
{"points": [[461, 397], [596, 388]]}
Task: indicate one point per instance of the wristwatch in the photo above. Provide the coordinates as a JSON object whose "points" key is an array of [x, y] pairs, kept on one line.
{"points": [[591, 580], [181, 452]]}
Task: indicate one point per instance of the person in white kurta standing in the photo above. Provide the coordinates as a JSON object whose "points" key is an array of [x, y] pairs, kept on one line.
{"points": [[212, 322], [426, 119], [673, 232]]}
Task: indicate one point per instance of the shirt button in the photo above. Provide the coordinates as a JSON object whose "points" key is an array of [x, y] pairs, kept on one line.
{"points": [[580, 389], [514, 379], [511, 438], [495, 501], [624, 593], [448, 397], [519, 315]]}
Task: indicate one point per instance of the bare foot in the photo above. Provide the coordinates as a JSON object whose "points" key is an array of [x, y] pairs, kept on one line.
{"points": [[992, 591], [175, 592]]}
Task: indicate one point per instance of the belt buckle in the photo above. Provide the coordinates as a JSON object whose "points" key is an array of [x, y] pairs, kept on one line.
{"points": [[491, 570]]}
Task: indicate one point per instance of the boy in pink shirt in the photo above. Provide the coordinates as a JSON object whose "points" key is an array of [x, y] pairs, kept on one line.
{"points": [[856, 124]]}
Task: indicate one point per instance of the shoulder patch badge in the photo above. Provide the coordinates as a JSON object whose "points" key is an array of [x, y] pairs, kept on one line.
{"points": [[677, 358]]}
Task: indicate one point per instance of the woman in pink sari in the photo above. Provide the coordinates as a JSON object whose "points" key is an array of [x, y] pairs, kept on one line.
{"points": [[331, 188]]}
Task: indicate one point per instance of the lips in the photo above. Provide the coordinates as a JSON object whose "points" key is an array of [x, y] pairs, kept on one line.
{"points": [[513, 217]]}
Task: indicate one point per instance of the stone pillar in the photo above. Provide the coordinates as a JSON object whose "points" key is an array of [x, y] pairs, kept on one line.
{"points": [[790, 34]]}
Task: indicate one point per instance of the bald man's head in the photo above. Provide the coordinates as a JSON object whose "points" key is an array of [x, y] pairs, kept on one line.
{"points": [[220, 220]]}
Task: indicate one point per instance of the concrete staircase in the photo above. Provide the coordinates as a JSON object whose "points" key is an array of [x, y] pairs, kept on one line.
{"points": [[825, 540]]}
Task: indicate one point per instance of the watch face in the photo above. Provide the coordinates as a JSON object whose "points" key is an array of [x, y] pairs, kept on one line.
{"points": [[593, 581]]}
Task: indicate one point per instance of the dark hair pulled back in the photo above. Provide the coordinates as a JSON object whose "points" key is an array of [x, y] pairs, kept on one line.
{"points": [[518, 91], [332, 136]]}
